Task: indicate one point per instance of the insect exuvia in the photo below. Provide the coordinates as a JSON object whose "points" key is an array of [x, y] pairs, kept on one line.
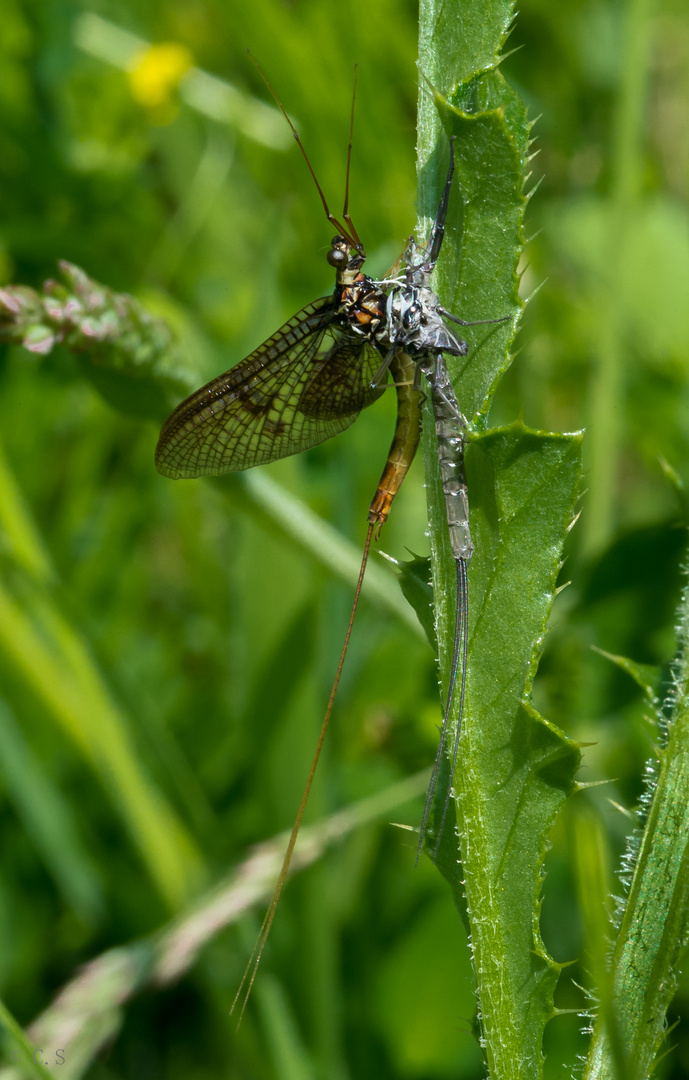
{"points": [[414, 326], [308, 382]]}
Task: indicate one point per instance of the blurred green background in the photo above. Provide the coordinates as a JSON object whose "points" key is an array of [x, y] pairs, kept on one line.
{"points": [[166, 650]]}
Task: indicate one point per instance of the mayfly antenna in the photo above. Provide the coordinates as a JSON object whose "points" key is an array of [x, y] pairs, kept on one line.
{"points": [[345, 211], [349, 234]]}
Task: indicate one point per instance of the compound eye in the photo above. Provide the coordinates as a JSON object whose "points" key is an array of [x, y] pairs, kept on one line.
{"points": [[411, 317], [337, 257]]}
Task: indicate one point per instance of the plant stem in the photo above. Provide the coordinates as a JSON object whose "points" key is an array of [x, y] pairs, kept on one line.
{"points": [[603, 444]]}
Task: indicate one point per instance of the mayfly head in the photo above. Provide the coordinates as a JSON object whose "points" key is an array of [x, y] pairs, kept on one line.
{"points": [[346, 258]]}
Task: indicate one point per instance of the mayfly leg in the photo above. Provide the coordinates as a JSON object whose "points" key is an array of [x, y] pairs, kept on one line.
{"points": [[435, 240]]}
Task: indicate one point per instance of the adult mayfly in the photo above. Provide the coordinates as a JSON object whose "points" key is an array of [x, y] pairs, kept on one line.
{"points": [[306, 383]]}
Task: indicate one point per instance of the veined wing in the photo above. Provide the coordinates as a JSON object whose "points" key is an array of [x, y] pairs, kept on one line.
{"points": [[306, 383]]}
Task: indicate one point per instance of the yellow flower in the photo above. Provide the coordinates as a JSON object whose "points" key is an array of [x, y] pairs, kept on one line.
{"points": [[155, 72]]}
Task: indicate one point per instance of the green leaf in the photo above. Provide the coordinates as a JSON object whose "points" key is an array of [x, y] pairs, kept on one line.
{"points": [[471, 35], [654, 928], [646, 676], [514, 768], [415, 583], [479, 281]]}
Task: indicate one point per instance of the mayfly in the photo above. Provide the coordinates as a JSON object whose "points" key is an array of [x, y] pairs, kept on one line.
{"points": [[306, 383]]}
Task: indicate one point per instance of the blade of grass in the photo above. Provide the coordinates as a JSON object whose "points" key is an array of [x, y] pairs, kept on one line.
{"points": [[28, 1059], [48, 819], [654, 928], [54, 661], [88, 1011], [608, 388]]}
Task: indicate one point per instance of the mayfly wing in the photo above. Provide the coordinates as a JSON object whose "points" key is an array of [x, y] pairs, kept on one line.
{"points": [[306, 383]]}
